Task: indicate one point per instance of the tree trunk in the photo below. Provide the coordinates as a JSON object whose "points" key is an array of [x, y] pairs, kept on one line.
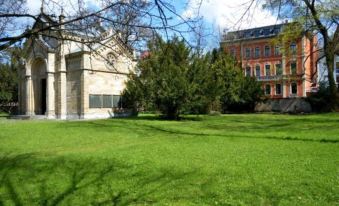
{"points": [[329, 54]]}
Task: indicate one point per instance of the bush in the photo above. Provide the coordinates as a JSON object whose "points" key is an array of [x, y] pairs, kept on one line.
{"points": [[320, 101]]}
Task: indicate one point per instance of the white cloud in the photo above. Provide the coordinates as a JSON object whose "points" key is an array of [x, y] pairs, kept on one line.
{"points": [[227, 14], [69, 6]]}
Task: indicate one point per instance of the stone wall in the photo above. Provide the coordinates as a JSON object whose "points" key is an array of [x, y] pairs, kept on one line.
{"points": [[73, 88], [98, 83], [292, 105]]}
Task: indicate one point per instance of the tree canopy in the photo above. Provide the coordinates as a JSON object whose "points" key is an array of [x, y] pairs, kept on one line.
{"points": [[174, 80]]}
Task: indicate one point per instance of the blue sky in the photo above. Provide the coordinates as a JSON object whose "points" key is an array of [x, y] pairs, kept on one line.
{"points": [[218, 15]]}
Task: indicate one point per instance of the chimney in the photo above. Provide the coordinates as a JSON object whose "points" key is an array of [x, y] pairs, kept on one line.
{"points": [[61, 16], [62, 19]]}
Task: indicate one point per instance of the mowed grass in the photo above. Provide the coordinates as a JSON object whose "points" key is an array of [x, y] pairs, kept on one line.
{"points": [[256, 159]]}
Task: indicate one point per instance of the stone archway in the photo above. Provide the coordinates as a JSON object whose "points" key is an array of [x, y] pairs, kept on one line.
{"points": [[39, 96]]}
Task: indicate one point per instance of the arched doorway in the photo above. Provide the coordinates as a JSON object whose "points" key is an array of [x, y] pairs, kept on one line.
{"points": [[38, 70]]}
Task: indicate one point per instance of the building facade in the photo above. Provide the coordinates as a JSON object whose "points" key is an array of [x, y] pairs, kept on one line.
{"points": [[64, 79], [282, 74]]}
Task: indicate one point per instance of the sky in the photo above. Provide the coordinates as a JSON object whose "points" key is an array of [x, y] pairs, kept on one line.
{"points": [[218, 15], [224, 14], [227, 14]]}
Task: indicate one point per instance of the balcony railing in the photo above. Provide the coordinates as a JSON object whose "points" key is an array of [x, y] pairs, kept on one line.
{"points": [[289, 77]]}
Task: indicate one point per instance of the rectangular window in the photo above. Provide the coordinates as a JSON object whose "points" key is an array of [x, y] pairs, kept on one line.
{"points": [[117, 101], [107, 101], [293, 68], [247, 53], [293, 48], [277, 51], [95, 101], [294, 88], [268, 70], [257, 52], [257, 70], [248, 71], [267, 51], [278, 89], [267, 89], [278, 69]]}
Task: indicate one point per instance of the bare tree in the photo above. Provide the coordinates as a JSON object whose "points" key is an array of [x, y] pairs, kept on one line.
{"points": [[131, 20], [317, 17]]}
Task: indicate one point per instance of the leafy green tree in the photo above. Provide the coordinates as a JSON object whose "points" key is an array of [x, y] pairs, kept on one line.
{"points": [[11, 63], [161, 78], [173, 81], [238, 93], [204, 85], [8, 84]]}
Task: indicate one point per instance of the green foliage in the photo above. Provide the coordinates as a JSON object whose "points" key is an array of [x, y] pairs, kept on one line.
{"points": [[9, 66], [161, 78], [291, 33], [174, 81], [8, 83], [235, 92], [220, 160], [320, 101]]}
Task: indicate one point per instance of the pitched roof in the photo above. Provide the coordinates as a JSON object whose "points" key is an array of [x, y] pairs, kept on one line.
{"points": [[254, 33]]}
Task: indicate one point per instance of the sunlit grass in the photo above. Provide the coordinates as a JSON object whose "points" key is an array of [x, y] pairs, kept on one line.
{"points": [[203, 160]]}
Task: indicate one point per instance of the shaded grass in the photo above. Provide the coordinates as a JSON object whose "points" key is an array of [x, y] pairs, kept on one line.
{"points": [[205, 160]]}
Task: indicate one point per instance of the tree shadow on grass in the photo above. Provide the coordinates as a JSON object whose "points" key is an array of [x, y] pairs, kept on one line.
{"points": [[31, 180], [161, 118], [142, 128]]}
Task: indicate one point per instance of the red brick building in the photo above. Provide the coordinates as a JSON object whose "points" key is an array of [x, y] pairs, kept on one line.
{"points": [[282, 76]]}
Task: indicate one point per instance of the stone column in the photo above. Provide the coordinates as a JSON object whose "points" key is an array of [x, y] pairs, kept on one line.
{"points": [[50, 90], [28, 86], [50, 95], [62, 89]]}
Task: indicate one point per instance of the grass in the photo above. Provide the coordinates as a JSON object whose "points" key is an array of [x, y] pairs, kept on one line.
{"points": [[3, 115], [208, 160]]}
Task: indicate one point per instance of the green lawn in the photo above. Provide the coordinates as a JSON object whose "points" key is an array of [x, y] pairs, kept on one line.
{"points": [[208, 160]]}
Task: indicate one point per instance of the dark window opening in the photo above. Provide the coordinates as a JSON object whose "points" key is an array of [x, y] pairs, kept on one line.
{"points": [[257, 71], [43, 96], [257, 52], [278, 69], [247, 52], [268, 70], [267, 51], [278, 89], [267, 89], [294, 88], [293, 68]]}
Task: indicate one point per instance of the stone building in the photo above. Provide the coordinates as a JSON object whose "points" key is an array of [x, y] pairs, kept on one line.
{"points": [[64, 79], [283, 75]]}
